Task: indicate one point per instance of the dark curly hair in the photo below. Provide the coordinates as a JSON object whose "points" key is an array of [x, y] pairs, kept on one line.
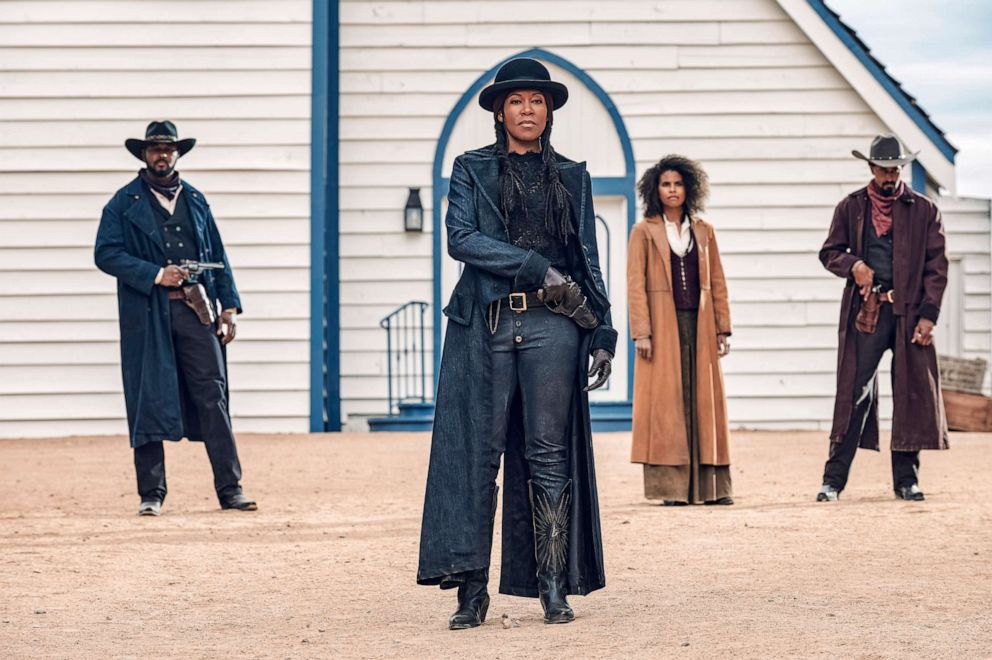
{"points": [[697, 185]]}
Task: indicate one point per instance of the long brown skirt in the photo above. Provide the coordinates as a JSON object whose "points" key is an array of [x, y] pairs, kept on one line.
{"points": [[693, 483]]}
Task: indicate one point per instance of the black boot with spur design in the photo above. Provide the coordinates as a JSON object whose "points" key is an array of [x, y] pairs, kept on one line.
{"points": [[551, 518]]}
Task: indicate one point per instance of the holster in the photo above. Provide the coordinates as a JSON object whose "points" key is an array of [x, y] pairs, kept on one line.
{"points": [[195, 297], [867, 319], [573, 304]]}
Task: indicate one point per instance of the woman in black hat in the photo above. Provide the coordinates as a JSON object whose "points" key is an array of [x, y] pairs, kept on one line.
{"points": [[515, 365]]}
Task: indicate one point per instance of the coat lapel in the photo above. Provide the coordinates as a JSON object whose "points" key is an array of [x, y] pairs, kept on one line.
{"points": [[485, 173], [702, 239], [656, 228], [198, 212], [574, 182], [140, 213], [902, 239]]}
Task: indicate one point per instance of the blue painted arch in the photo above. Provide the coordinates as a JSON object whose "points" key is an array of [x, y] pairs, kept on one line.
{"points": [[614, 186]]}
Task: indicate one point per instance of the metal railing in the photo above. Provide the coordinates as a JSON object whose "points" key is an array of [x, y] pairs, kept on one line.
{"points": [[406, 353]]}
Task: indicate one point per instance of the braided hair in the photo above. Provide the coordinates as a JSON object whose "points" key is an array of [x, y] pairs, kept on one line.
{"points": [[557, 201]]}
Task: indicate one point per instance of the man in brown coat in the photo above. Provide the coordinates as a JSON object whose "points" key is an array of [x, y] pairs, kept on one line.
{"points": [[888, 242]]}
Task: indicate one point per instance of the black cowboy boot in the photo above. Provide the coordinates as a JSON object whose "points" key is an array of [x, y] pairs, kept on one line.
{"points": [[551, 518], [473, 597], [473, 601]]}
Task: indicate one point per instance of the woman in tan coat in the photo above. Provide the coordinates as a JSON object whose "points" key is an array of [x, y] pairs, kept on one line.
{"points": [[680, 321]]}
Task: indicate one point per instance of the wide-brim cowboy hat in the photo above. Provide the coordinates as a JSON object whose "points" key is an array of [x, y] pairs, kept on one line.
{"points": [[886, 151], [523, 73], [159, 132]]}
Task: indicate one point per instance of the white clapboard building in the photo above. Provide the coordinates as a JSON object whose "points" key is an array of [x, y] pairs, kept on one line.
{"points": [[315, 120]]}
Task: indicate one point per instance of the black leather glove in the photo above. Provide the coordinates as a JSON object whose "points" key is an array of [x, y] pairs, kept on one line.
{"points": [[602, 365], [555, 285], [569, 300]]}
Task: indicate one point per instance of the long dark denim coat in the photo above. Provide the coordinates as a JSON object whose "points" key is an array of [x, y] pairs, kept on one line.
{"points": [[460, 501], [919, 270], [129, 246]]}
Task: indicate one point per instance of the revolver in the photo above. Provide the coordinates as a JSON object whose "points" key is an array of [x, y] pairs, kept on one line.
{"points": [[195, 268]]}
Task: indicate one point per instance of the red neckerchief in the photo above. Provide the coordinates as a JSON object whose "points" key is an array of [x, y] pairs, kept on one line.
{"points": [[881, 207]]}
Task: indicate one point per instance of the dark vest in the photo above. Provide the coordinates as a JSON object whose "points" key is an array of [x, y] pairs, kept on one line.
{"points": [[178, 233], [685, 279], [878, 252]]}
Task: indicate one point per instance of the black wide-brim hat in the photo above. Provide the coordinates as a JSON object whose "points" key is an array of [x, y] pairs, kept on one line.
{"points": [[159, 132], [523, 73], [886, 151]]}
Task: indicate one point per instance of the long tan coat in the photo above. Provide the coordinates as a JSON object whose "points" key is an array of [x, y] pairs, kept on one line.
{"points": [[659, 413]]}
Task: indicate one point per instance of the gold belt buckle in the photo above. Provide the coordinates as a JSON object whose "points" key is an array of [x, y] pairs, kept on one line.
{"points": [[522, 297]]}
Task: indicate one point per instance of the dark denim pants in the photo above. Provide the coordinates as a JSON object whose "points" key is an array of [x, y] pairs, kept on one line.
{"points": [[534, 357], [870, 348], [201, 363]]}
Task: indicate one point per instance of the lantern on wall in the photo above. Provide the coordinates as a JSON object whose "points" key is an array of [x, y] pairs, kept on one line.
{"points": [[413, 214]]}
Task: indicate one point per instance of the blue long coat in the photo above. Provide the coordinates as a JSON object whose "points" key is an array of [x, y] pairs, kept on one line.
{"points": [[460, 501], [129, 246]]}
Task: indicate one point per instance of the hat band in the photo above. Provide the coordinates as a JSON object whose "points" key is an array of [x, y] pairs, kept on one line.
{"points": [[161, 138]]}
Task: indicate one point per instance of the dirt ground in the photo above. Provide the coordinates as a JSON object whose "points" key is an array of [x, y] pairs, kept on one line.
{"points": [[326, 567]]}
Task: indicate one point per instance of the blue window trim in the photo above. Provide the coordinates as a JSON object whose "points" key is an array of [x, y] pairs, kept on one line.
{"points": [[890, 86], [620, 186], [325, 326], [919, 177]]}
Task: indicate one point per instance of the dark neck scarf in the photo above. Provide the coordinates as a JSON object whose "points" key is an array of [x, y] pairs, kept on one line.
{"points": [[168, 188], [881, 206]]}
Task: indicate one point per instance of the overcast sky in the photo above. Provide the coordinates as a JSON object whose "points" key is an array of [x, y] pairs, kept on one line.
{"points": [[941, 52]]}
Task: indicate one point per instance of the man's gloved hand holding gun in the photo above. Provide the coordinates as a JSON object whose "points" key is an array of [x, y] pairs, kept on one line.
{"points": [[195, 295]]}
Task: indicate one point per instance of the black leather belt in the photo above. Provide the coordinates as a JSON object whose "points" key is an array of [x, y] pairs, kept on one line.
{"points": [[521, 302]]}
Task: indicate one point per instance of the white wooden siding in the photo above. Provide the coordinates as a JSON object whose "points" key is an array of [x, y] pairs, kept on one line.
{"points": [[76, 79], [736, 84]]}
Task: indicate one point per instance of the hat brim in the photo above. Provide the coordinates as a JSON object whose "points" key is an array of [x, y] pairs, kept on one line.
{"points": [[887, 162], [558, 92], [136, 146]]}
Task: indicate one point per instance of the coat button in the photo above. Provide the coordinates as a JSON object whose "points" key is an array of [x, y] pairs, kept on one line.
{"points": [[519, 324], [168, 245], [179, 228], [180, 245], [137, 196], [518, 339]]}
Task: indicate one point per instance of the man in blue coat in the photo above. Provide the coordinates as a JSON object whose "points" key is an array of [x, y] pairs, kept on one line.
{"points": [[172, 342]]}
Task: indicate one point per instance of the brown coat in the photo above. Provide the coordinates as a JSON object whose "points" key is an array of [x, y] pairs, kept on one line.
{"points": [[659, 414], [919, 273]]}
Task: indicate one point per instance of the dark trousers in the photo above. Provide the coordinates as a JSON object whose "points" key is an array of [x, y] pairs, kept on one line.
{"points": [[201, 366], [535, 353], [870, 348]]}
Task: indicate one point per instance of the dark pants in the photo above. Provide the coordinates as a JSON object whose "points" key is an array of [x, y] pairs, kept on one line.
{"points": [[201, 367], [534, 357], [870, 348]]}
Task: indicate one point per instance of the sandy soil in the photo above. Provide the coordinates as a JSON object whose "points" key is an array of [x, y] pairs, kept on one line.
{"points": [[326, 567]]}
